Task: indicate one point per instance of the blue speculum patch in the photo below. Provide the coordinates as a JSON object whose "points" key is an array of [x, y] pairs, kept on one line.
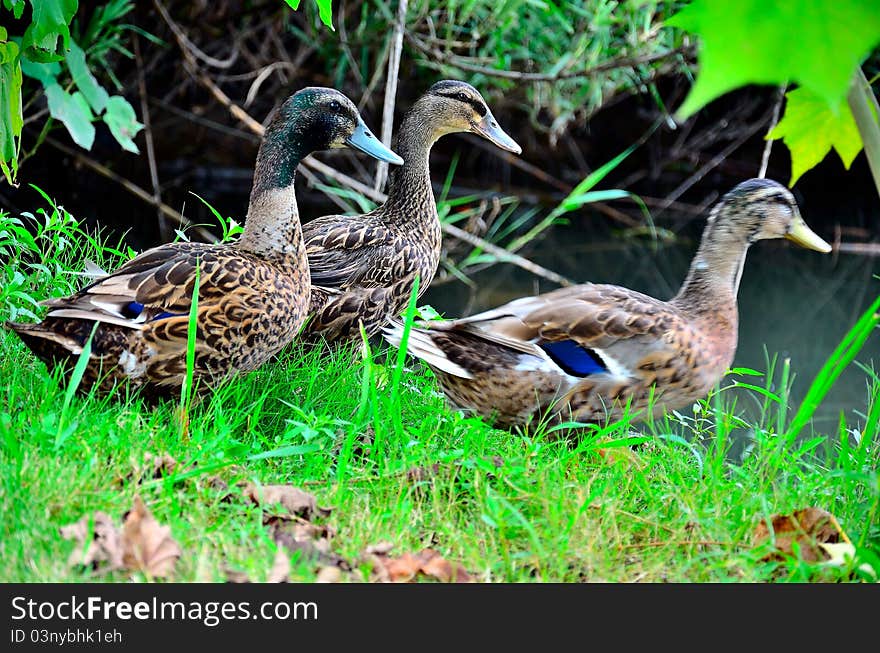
{"points": [[573, 358], [136, 308]]}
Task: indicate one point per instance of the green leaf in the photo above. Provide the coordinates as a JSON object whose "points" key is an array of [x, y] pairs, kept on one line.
{"points": [[325, 10], [122, 121], [810, 128], [74, 112], [816, 44], [45, 73], [50, 19], [16, 7], [11, 118], [84, 79]]}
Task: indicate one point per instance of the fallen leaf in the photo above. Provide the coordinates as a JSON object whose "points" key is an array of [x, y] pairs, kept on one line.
{"points": [[234, 576], [381, 548], [141, 544], [329, 575], [151, 467], [147, 546], [408, 567], [841, 554], [292, 499], [808, 528], [436, 566], [97, 542], [280, 572], [301, 537]]}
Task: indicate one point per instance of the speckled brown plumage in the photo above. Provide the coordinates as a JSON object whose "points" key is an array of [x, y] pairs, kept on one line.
{"points": [[587, 352], [252, 294], [363, 266]]}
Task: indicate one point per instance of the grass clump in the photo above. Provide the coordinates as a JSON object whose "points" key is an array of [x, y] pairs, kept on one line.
{"points": [[367, 433]]}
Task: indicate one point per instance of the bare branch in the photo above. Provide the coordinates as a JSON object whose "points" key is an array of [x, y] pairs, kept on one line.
{"points": [[391, 89]]}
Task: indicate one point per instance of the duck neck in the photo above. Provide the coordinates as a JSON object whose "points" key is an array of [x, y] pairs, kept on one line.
{"points": [[410, 196], [272, 228], [713, 280]]}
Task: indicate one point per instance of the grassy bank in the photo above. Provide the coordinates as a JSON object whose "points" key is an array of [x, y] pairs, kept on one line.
{"points": [[676, 500]]}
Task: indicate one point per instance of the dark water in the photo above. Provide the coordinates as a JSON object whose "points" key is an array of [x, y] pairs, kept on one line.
{"points": [[794, 303]]}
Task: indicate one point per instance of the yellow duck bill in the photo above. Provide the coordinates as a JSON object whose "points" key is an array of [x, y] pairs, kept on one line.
{"points": [[801, 234], [362, 139]]}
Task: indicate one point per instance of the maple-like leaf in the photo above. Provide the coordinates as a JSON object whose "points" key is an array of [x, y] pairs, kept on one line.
{"points": [[819, 45], [800, 532], [146, 545], [810, 128]]}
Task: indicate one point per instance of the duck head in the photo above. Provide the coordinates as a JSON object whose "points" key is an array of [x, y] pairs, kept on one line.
{"points": [[762, 209], [459, 107], [318, 118]]}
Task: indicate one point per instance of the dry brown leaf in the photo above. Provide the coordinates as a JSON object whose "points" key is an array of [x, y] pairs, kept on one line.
{"points": [[807, 527], [147, 546], [300, 537], [436, 566], [382, 548], [97, 542], [292, 499], [280, 572], [158, 466], [329, 575], [407, 567], [234, 576]]}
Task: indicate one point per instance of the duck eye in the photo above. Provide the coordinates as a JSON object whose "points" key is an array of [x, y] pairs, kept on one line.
{"points": [[335, 105], [461, 96]]}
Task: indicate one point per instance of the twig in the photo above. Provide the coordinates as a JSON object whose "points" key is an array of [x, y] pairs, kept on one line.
{"points": [[710, 165], [391, 89], [765, 157], [164, 232], [375, 195], [132, 188], [621, 62], [504, 256], [262, 76], [190, 46]]}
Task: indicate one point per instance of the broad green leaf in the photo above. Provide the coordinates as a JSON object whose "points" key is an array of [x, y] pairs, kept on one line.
{"points": [[45, 73], [325, 10], [84, 79], [122, 121], [815, 44], [11, 119], [810, 128], [16, 7], [74, 112], [50, 20]]}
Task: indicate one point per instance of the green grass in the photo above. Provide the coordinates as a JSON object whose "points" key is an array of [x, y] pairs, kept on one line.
{"points": [[681, 505]]}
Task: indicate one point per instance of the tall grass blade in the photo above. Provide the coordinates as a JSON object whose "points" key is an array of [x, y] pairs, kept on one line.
{"points": [[842, 356], [75, 379]]}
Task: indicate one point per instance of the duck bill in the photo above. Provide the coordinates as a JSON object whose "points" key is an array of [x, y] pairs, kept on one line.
{"points": [[489, 129], [362, 139], [801, 234]]}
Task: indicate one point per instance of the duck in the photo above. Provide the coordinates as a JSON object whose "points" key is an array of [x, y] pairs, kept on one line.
{"points": [[591, 353], [253, 293], [363, 266]]}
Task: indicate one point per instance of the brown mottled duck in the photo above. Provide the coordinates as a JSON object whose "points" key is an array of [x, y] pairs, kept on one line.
{"points": [[252, 294], [585, 352], [363, 266]]}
